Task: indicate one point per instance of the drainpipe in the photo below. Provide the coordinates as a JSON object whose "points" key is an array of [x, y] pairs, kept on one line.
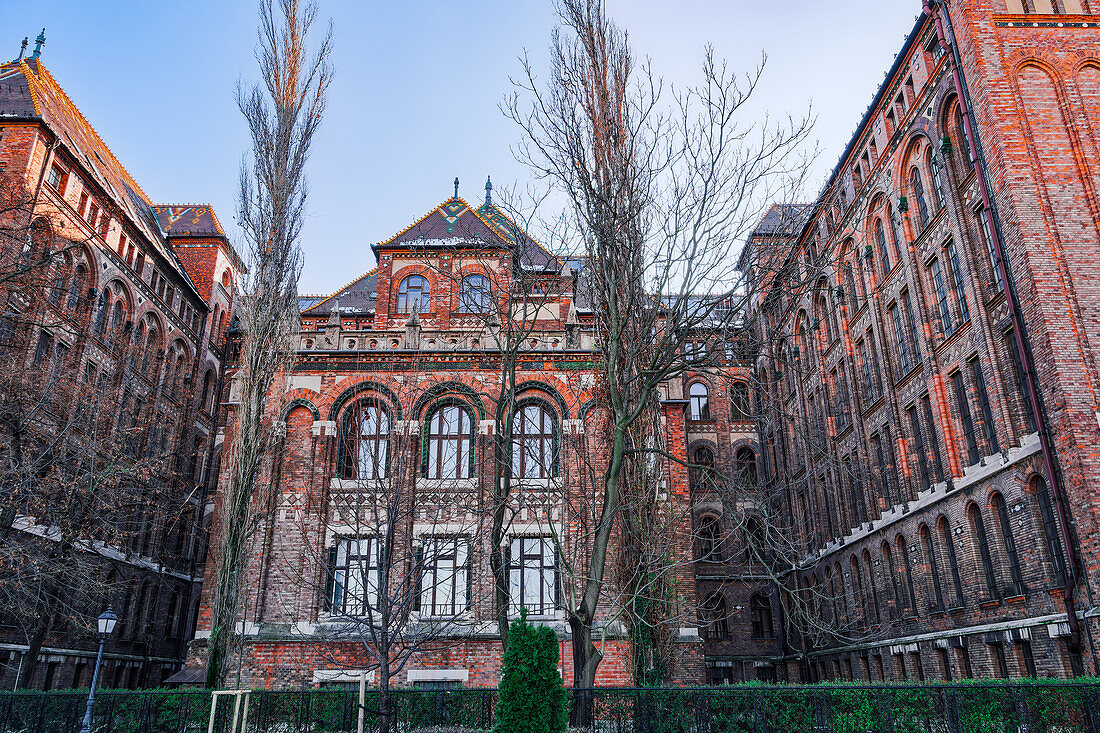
{"points": [[938, 12]]}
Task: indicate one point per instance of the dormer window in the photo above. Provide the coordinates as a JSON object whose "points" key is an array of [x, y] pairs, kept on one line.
{"points": [[413, 295]]}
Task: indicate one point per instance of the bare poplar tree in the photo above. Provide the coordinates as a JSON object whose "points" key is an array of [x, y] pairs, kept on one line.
{"points": [[283, 114], [661, 192]]}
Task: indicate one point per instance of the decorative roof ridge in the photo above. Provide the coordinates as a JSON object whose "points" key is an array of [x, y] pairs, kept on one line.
{"points": [[515, 226], [326, 298], [31, 82], [420, 221], [129, 179]]}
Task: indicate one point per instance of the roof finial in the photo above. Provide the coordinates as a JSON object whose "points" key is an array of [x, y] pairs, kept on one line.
{"points": [[38, 44], [22, 49], [456, 186], [488, 190]]}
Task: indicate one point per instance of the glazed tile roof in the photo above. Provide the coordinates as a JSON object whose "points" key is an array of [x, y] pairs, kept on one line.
{"points": [[196, 220], [452, 223], [28, 90]]}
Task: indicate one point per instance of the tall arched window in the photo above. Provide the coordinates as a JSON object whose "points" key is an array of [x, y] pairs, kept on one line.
{"points": [[450, 436], [104, 305], [703, 458], [850, 291], [710, 541], [535, 451], [474, 294], [760, 610], [933, 565], [699, 396], [175, 614], [860, 595], [892, 590], [1014, 571], [883, 250], [715, 617], [364, 441], [977, 525], [76, 287], [907, 568], [1050, 529], [872, 590], [740, 402], [746, 466], [916, 185], [825, 318], [962, 140], [60, 279], [207, 384], [413, 295], [952, 560], [937, 179]]}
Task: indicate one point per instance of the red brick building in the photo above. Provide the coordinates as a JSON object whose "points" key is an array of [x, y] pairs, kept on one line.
{"points": [[943, 500], [128, 307]]}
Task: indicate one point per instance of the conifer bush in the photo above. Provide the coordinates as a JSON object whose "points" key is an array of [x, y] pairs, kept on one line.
{"points": [[532, 698]]}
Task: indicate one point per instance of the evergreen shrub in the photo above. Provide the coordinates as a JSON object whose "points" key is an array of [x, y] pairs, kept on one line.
{"points": [[532, 698]]}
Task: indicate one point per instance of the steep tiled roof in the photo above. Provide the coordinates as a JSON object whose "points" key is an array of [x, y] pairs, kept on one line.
{"points": [[197, 220], [358, 296], [28, 90]]}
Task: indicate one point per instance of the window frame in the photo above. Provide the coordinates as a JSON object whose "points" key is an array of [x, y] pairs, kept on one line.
{"points": [[423, 294], [523, 562], [434, 442]]}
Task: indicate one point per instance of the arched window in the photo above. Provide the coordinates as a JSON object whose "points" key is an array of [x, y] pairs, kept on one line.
{"points": [[755, 542], [76, 287], [1001, 510], [100, 324], [175, 614], [872, 592], [962, 140], [149, 353], [952, 559], [118, 316], [977, 525], [207, 383], [1050, 529], [474, 294], [937, 179], [715, 617], [535, 451], [860, 596], [883, 250], [699, 399], [450, 436], [746, 466], [740, 402], [60, 278], [364, 441], [916, 184], [760, 610], [893, 591], [710, 540], [825, 318], [413, 295], [933, 565], [907, 568], [703, 458]]}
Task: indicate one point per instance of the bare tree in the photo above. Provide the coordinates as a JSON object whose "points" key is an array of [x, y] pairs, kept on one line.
{"points": [[283, 114], [85, 453], [661, 192]]}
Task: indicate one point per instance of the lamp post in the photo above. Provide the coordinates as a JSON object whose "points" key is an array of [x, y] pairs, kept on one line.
{"points": [[105, 624]]}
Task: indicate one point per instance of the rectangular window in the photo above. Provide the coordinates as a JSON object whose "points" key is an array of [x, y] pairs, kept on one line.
{"points": [[93, 215], [934, 443], [83, 205], [1000, 663], [984, 406], [532, 575], [865, 364], [56, 179], [912, 323], [1021, 383], [445, 583], [891, 453], [355, 575], [965, 418], [941, 297], [986, 227], [44, 350], [899, 335], [918, 449], [1027, 659], [957, 281]]}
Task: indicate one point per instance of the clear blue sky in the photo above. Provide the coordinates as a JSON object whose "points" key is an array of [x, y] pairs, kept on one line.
{"points": [[414, 102]]}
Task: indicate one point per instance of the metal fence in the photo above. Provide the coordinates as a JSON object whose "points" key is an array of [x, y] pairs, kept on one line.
{"points": [[967, 708]]}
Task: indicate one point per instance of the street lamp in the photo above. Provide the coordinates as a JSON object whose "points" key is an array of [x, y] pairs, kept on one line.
{"points": [[105, 624]]}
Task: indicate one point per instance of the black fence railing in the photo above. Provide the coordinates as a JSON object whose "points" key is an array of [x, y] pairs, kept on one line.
{"points": [[1032, 707]]}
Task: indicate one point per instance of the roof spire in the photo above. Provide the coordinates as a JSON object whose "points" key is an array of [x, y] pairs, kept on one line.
{"points": [[456, 186], [22, 49], [488, 190], [38, 44]]}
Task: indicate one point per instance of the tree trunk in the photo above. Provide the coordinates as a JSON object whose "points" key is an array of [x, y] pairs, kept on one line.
{"points": [[586, 659], [384, 702]]}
